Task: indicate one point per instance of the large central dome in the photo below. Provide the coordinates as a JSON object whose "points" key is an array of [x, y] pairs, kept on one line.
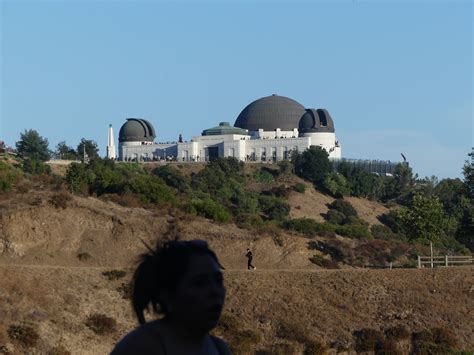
{"points": [[270, 113]]}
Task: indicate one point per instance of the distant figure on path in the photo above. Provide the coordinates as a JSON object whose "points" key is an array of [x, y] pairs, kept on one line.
{"points": [[249, 256], [181, 281]]}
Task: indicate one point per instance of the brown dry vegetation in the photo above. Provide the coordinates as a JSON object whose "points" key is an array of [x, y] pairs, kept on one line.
{"points": [[288, 305]]}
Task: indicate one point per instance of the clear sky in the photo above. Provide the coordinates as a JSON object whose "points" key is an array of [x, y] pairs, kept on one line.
{"points": [[396, 76]]}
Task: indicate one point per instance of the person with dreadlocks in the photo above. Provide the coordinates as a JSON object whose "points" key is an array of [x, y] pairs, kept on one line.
{"points": [[183, 283]]}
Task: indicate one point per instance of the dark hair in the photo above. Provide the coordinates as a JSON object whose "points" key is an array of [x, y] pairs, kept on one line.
{"points": [[160, 270]]}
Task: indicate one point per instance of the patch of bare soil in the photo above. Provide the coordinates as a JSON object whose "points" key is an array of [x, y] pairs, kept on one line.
{"points": [[327, 305], [310, 204], [368, 210]]}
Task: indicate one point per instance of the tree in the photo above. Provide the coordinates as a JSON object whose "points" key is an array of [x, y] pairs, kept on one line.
{"points": [[63, 151], [91, 148], [32, 146], [424, 219], [313, 165], [468, 172]]}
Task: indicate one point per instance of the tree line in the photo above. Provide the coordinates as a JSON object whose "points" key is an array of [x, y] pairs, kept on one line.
{"points": [[422, 210]]}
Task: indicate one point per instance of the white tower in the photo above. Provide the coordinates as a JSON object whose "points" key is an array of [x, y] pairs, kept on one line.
{"points": [[110, 144]]}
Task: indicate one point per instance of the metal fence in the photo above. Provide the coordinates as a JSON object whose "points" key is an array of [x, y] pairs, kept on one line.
{"points": [[444, 260]]}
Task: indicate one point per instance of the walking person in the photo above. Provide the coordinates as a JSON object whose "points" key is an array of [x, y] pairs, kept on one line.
{"points": [[249, 256]]}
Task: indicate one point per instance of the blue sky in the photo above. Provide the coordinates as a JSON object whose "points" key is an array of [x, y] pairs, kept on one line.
{"points": [[396, 76]]}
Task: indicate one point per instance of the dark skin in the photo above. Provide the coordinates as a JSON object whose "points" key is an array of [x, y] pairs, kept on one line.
{"points": [[194, 309]]}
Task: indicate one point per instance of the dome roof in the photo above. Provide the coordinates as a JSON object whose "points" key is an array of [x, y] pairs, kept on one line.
{"points": [[222, 129], [136, 130], [316, 121], [270, 113]]}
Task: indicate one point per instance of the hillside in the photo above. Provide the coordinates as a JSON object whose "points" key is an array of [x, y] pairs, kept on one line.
{"points": [[52, 258]]}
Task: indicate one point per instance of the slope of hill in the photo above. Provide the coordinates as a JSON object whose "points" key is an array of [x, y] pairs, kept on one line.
{"points": [[52, 259]]}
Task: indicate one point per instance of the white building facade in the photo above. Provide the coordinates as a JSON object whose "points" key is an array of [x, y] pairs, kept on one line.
{"points": [[268, 129]]}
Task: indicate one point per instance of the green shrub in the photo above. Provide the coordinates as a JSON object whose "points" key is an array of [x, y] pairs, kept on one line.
{"points": [[354, 231], [336, 184], [25, 335], [114, 274], [172, 177], [8, 177], [249, 220], [335, 217], [307, 226], [264, 176], [274, 207], [101, 324], [299, 187], [280, 191], [210, 209], [344, 207], [78, 178], [35, 167], [150, 189]]}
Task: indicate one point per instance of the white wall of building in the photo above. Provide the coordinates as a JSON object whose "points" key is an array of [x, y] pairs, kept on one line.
{"points": [[327, 141], [242, 147]]}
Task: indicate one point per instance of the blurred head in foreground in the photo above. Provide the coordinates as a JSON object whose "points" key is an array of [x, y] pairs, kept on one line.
{"points": [[182, 282]]}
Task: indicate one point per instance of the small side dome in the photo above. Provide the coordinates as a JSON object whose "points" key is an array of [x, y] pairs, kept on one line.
{"points": [[223, 129], [316, 121], [137, 130]]}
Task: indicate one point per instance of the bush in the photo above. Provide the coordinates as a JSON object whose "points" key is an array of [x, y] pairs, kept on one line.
{"points": [[210, 209], [61, 199], [354, 231], [8, 177], [274, 207], [327, 249], [249, 220], [397, 333], [315, 347], [25, 335], [114, 274], [381, 232], [307, 226], [35, 167], [150, 189], [335, 217], [172, 177], [368, 339], [299, 187], [101, 324], [434, 341], [323, 262], [344, 207], [263, 175]]}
